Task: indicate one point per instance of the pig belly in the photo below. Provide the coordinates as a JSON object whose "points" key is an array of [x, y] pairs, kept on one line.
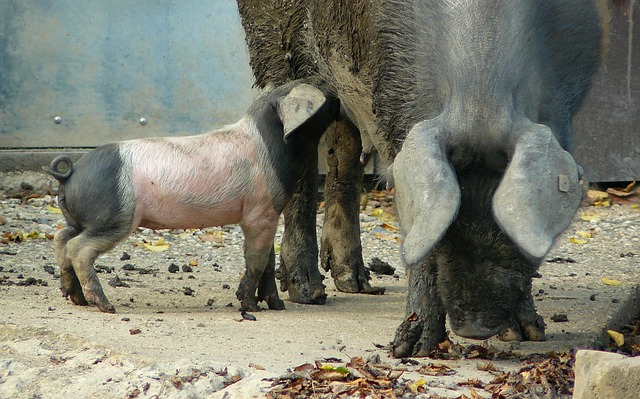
{"points": [[172, 214]]}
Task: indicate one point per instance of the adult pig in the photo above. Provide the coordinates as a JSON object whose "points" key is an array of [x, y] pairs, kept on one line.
{"points": [[471, 101], [244, 173]]}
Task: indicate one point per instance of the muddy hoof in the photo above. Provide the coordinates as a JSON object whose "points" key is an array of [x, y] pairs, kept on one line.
{"points": [[314, 296], [275, 303], [407, 336], [77, 299], [107, 308]]}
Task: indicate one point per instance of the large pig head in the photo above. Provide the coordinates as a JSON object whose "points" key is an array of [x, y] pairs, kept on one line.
{"points": [[536, 197]]}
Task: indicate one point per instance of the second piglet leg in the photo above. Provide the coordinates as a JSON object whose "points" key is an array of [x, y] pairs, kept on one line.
{"points": [[267, 288], [259, 233], [83, 250]]}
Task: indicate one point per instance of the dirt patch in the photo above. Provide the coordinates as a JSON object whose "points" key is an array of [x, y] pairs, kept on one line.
{"points": [[177, 326]]}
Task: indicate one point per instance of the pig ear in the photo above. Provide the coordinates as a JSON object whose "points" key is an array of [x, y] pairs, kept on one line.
{"points": [[302, 102], [539, 192], [427, 191]]}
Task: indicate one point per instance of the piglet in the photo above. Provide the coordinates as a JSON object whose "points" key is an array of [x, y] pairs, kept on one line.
{"points": [[244, 173]]}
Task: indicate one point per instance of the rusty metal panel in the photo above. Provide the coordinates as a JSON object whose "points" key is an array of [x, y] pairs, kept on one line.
{"points": [[607, 129], [101, 66]]}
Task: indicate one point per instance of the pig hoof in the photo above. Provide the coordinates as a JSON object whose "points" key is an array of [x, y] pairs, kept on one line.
{"points": [[407, 335], [275, 303], [107, 309], [316, 296], [77, 299], [249, 305], [510, 334]]}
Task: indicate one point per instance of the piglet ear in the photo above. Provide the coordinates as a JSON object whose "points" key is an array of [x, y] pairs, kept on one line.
{"points": [[539, 192], [302, 102], [427, 191]]}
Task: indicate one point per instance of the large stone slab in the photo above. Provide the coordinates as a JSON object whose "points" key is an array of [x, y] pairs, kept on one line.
{"points": [[603, 375]]}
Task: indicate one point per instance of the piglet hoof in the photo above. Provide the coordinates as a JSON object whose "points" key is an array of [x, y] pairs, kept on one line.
{"points": [[275, 303], [76, 299], [108, 308]]}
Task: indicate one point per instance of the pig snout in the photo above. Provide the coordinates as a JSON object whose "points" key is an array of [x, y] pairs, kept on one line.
{"points": [[476, 326]]}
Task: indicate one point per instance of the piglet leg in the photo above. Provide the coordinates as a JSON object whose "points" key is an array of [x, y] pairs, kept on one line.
{"points": [[267, 288], [83, 250], [69, 283], [259, 231]]}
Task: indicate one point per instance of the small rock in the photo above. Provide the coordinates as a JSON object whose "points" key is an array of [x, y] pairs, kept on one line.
{"points": [[135, 331], [248, 316], [49, 269], [116, 282], [226, 287], [592, 297], [125, 256], [173, 268], [128, 267], [379, 266], [210, 301], [188, 291], [186, 268], [560, 317]]}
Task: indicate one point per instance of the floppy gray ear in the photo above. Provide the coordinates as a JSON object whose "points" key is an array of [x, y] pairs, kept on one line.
{"points": [[539, 192], [302, 102], [427, 191]]}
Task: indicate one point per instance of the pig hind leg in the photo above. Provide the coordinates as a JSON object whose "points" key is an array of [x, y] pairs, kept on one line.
{"points": [[83, 250], [69, 283]]}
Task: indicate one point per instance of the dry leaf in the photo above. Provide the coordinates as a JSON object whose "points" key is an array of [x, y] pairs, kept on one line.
{"points": [[158, 246], [579, 241], [329, 375], [486, 367], [616, 337], [193, 262], [611, 282], [53, 209], [589, 217], [596, 195], [389, 227], [585, 234], [416, 385], [436, 370], [604, 203]]}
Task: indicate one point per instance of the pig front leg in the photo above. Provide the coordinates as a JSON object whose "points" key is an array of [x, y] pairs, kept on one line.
{"points": [[259, 231], [341, 247], [424, 326], [298, 272]]}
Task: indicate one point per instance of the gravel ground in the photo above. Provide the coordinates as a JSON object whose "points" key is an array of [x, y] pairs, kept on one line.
{"points": [[178, 333]]}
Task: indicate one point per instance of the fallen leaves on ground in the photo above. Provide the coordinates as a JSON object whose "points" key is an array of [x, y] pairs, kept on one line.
{"points": [[19, 236], [541, 376], [630, 194], [610, 281]]}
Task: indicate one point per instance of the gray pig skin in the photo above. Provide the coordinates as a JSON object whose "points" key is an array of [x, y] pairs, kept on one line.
{"points": [[471, 102]]}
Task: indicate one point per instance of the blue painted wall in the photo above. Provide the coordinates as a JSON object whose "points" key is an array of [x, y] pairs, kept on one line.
{"points": [[101, 65]]}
